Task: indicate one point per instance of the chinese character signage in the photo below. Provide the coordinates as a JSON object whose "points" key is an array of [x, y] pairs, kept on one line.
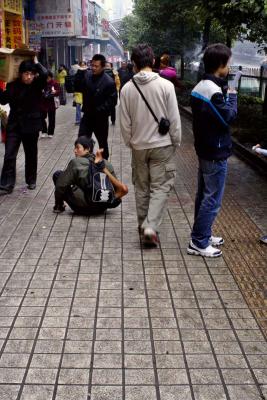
{"points": [[35, 35], [13, 30], [13, 6], [56, 24]]}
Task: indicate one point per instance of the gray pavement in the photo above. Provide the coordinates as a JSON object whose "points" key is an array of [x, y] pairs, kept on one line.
{"points": [[86, 313]]}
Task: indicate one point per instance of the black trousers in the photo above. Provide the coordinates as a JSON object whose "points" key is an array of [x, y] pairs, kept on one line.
{"points": [[99, 126], [51, 122], [13, 141]]}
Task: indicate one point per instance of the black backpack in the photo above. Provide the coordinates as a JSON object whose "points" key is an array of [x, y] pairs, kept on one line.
{"points": [[101, 189], [69, 83]]}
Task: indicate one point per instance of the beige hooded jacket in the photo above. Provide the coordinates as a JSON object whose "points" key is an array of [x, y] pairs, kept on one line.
{"points": [[138, 126]]}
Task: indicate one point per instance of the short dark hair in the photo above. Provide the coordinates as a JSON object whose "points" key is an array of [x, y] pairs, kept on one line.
{"points": [[50, 74], [27, 66], [87, 143], [142, 56], [215, 56], [101, 58]]}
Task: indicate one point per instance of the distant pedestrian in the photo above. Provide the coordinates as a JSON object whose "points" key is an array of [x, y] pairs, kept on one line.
{"points": [[153, 149], [61, 75], [115, 76], [24, 96], [99, 98], [213, 110], [72, 185], [78, 97], [49, 106], [235, 82], [74, 68], [166, 71], [125, 73]]}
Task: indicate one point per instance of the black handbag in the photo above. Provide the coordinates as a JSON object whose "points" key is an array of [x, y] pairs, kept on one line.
{"points": [[164, 123]]}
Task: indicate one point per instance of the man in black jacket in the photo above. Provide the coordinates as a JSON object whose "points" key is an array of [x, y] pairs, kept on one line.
{"points": [[99, 98], [24, 123]]}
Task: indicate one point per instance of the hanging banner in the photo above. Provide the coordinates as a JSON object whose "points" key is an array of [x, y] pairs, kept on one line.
{"points": [[35, 36], [84, 17], [56, 24], [13, 30], [13, 6]]}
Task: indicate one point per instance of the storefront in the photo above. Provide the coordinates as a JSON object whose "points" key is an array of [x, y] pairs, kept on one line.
{"points": [[56, 30]]}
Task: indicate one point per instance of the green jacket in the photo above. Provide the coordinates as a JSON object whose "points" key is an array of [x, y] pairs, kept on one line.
{"points": [[75, 177]]}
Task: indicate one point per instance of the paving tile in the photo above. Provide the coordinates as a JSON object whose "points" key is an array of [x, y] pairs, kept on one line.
{"points": [[37, 392], [71, 392], [107, 377], [73, 376], [140, 392], [175, 392], [172, 377], [209, 392], [241, 392], [106, 393], [9, 392], [237, 376], [139, 377], [41, 376]]}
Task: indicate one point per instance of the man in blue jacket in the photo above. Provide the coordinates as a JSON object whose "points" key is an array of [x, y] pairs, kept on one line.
{"points": [[214, 107]]}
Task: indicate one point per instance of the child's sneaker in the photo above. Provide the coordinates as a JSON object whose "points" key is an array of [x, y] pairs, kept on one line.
{"points": [[216, 241], [150, 238], [43, 135], [207, 252]]}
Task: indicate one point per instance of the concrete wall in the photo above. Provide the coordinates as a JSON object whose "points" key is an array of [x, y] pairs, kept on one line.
{"points": [[52, 6]]}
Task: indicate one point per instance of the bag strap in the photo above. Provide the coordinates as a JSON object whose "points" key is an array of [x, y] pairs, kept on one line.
{"points": [[145, 100]]}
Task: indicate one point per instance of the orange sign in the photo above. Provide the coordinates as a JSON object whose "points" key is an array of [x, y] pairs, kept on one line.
{"points": [[13, 30]]}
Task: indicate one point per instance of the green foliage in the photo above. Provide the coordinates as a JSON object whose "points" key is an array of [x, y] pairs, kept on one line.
{"points": [[163, 24], [250, 125], [249, 100]]}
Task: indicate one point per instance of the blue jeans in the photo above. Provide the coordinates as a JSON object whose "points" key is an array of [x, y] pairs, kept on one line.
{"points": [[211, 183], [78, 113]]}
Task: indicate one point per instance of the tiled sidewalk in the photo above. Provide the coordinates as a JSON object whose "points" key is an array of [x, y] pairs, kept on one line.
{"points": [[86, 313]]}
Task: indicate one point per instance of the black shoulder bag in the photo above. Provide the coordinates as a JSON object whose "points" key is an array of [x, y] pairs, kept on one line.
{"points": [[164, 123]]}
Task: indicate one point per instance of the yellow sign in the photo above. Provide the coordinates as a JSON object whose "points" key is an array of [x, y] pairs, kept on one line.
{"points": [[13, 30], [13, 6]]}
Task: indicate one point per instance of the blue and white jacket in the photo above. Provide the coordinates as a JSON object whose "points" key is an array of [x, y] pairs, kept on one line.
{"points": [[213, 110]]}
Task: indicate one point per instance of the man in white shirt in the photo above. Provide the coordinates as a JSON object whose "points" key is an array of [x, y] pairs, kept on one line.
{"points": [[153, 153]]}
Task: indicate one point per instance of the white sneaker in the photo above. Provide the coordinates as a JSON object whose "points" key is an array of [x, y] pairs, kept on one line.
{"points": [[43, 135], [50, 136], [207, 252], [150, 237], [216, 241]]}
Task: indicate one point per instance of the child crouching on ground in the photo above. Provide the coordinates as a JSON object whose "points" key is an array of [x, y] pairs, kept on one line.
{"points": [[72, 184]]}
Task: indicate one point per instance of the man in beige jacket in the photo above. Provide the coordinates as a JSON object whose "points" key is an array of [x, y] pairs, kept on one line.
{"points": [[153, 154]]}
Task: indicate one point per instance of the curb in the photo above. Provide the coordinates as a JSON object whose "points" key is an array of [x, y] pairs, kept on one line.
{"points": [[250, 157]]}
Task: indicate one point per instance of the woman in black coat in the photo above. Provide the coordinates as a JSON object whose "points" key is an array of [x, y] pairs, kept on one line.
{"points": [[24, 123]]}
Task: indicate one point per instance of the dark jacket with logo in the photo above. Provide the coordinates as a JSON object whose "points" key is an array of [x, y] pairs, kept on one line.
{"points": [[99, 92], [25, 103], [213, 111]]}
